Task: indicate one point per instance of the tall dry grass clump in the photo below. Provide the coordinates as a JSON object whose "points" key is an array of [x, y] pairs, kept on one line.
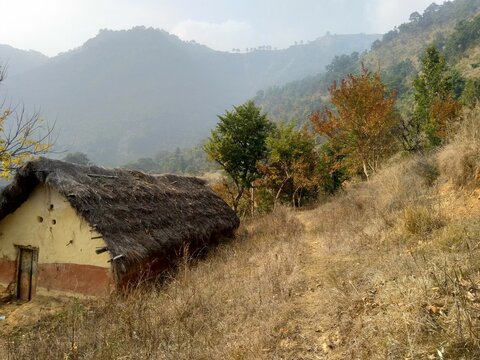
{"points": [[365, 215], [460, 160], [227, 306], [402, 279]]}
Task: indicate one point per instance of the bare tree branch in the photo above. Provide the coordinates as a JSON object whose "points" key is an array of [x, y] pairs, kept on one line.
{"points": [[22, 136]]}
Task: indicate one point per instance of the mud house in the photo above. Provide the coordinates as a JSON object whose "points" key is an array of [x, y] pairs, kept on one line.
{"points": [[86, 229]]}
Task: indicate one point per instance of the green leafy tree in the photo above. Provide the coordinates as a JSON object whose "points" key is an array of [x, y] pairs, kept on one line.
{"points": [[398, 76], [465, 36], [433, 90], [415, 17], [331, 169], [238, 144], [147, 165], [291, 169]]}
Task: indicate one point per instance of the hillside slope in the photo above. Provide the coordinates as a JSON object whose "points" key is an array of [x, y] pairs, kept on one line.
{"points": [[408, 41], [20, 61], [387, 269], [393, 263], [127, 94], [397, 55]]}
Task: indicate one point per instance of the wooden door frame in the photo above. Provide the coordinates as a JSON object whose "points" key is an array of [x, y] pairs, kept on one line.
{"points": [[34, 250]]}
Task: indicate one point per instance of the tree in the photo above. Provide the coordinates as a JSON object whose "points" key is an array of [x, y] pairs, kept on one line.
{"points": [[331, 170], [398, 76], [341, 66], [432, 8], [471, 93], [415, 17], [361, 122], [292, 163], [433, 91], [79, 158], [238, 144], [22, 136], [465, 36]]}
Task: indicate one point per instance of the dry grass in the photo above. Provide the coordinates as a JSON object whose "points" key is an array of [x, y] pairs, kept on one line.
{"points": [[468, 65], [460, 160], [228, 306], [390, 270], [420, 219], [403, 255]]}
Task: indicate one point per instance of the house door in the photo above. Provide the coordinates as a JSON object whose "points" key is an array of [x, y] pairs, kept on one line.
{"points": [[27, 273]]}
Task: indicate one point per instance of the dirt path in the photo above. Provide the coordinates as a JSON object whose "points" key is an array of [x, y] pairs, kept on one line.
{"points": [[320, 313], [306, 338], [20, 314]]}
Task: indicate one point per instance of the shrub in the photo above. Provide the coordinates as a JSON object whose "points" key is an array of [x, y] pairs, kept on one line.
{"points": [[422, 220], [459, 161]]}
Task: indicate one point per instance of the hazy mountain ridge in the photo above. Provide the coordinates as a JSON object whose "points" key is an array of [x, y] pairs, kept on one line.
{"points": [[397, 54], [19, 61], [435, 25], [127, 94]]}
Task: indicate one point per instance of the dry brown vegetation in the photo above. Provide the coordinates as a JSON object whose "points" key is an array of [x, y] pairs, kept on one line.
{"points": [[398, 270], [388, 269], [228, 306]]}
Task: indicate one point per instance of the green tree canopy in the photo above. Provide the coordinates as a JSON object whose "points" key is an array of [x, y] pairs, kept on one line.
{"points": [[292, 163], [238, 144], [433, 97]]}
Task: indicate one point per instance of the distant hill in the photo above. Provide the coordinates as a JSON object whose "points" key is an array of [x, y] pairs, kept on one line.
{"points": [[19, 61], [296, 100], [435, 25], [453, 27], [127, 94]]}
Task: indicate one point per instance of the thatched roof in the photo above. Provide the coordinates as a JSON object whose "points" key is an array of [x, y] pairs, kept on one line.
{"points": [[140, 216]]}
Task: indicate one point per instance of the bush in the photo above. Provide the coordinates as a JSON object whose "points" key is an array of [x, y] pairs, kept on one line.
{"points": [[422, 220], [459, 161]]}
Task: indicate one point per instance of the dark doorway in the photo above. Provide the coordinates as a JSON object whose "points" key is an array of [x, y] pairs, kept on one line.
{"points": [[27, 273]]}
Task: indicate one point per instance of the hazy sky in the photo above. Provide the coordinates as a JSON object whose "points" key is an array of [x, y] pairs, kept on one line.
{"points": [[53, 26]]}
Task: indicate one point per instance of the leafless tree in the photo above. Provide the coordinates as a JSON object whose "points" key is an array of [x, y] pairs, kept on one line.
{"points": [[22, 135]]}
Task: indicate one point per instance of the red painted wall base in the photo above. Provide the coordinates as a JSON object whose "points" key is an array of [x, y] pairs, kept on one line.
{"points": [[74, 278]]}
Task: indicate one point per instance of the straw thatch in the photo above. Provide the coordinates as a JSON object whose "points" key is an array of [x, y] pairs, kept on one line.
{"points": [[141, 217]]}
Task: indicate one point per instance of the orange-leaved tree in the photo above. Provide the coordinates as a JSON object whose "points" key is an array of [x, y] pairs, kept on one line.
{"points": [[360, 123]]}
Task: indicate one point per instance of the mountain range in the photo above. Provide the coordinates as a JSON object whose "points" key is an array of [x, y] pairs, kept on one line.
{"points": [[127, 94], [452, 27]]}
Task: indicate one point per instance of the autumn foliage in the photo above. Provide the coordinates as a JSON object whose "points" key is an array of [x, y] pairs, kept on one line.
{"points": [[360, 123]]}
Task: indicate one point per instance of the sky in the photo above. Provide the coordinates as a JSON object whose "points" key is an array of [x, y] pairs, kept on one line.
{"points": [[54, 26]]}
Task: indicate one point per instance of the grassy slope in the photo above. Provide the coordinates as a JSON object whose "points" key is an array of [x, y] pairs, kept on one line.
{"points": [[469, 64], [407, 46], [396, 261], [411, 47], [388, 269], [231, 305], [410, 43]]}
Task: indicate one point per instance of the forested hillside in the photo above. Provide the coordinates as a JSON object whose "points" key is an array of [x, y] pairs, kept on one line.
{"points": [[145, 90], [451, 27], [435, 25]]}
